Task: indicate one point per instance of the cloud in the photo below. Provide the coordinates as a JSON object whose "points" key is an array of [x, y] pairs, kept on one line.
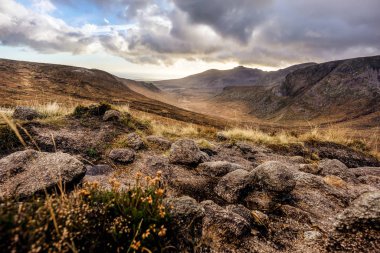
{"points": [[263, 32]]}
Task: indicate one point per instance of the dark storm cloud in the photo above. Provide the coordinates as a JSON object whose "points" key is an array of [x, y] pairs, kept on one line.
{"points": [[267, 32], [231, 18]]}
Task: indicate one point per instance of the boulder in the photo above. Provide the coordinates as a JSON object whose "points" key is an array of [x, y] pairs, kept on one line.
{"points": [[122, 155], [234, 186], [336, 168], [221, 225], [274, 176], [185, 152], [25, 113], [357, 227], [218, 168], [186, 216], [25, 173], [160, 142], [134, 141], [112, 115], [242, 211]]}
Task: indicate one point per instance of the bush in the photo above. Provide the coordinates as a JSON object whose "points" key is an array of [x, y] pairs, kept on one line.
{"points": [[88, 220]]}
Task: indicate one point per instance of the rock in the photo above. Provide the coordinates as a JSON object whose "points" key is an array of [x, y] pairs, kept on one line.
{"points": [[112, 115], [234, 186], [96, 170], [187, 182], [274, 176], [186, 216], [25, 113], [310, 168], [134, 141], [185, 152], [259, 200], [160, 142], [247, 151], [25, 173], [122, 155], [218, 168], [221, 225], [357, 227], [204, 157], [346, 155], [312, 235], [242, 211], [336, 168], [260, 218], [370, 180], [364, 171]]}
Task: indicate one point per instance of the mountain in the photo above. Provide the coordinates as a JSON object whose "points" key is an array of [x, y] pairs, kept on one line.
{"points": [[35, 83], [337, 90], [212, 81]]}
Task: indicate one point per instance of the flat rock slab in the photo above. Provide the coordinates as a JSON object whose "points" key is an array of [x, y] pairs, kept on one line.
{"points": [[24, 173]]}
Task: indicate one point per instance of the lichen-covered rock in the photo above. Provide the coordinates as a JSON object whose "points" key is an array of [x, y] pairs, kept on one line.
{"points": [[218, 168], [242, 211], [25, 113], [134, 141], [233, 186], [221, 225], [274, 176], [186, 216], [24, 173], [357, 227], [112, 115], [122, 155], [185, 152], [336, 168], [159, 142]]}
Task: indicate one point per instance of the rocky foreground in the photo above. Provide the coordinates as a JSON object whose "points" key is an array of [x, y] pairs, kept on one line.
{"points": [[224, 197]]}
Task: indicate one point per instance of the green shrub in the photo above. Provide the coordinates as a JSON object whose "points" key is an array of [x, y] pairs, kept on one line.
{"points": [[88, 220]]}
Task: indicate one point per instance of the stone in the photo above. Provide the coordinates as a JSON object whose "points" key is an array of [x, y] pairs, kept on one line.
{"points": [[220, 224], [185, 152], [242, 211], [186, 221], [234, 186], [336, 168], [25, 173], [160, 142], [134, 141], [122, 155], [25, 113], [274, 176], [217, 168], [112, 115]]}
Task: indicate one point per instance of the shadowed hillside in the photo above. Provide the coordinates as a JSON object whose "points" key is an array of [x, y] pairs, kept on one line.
{"points": [[26, 83]]}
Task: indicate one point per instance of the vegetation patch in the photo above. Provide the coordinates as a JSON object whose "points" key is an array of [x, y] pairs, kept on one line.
{"points": [[88, 220], [91, 111]]}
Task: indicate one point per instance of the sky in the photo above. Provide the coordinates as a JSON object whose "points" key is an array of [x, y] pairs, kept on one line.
{"points": [[163, 39]]}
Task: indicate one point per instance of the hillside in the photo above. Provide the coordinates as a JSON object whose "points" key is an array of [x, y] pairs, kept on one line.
{"points": [[27, 83], [338, 90]]}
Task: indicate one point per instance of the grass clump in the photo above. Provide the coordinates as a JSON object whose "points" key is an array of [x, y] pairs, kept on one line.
{"points": [[88, 220]]}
